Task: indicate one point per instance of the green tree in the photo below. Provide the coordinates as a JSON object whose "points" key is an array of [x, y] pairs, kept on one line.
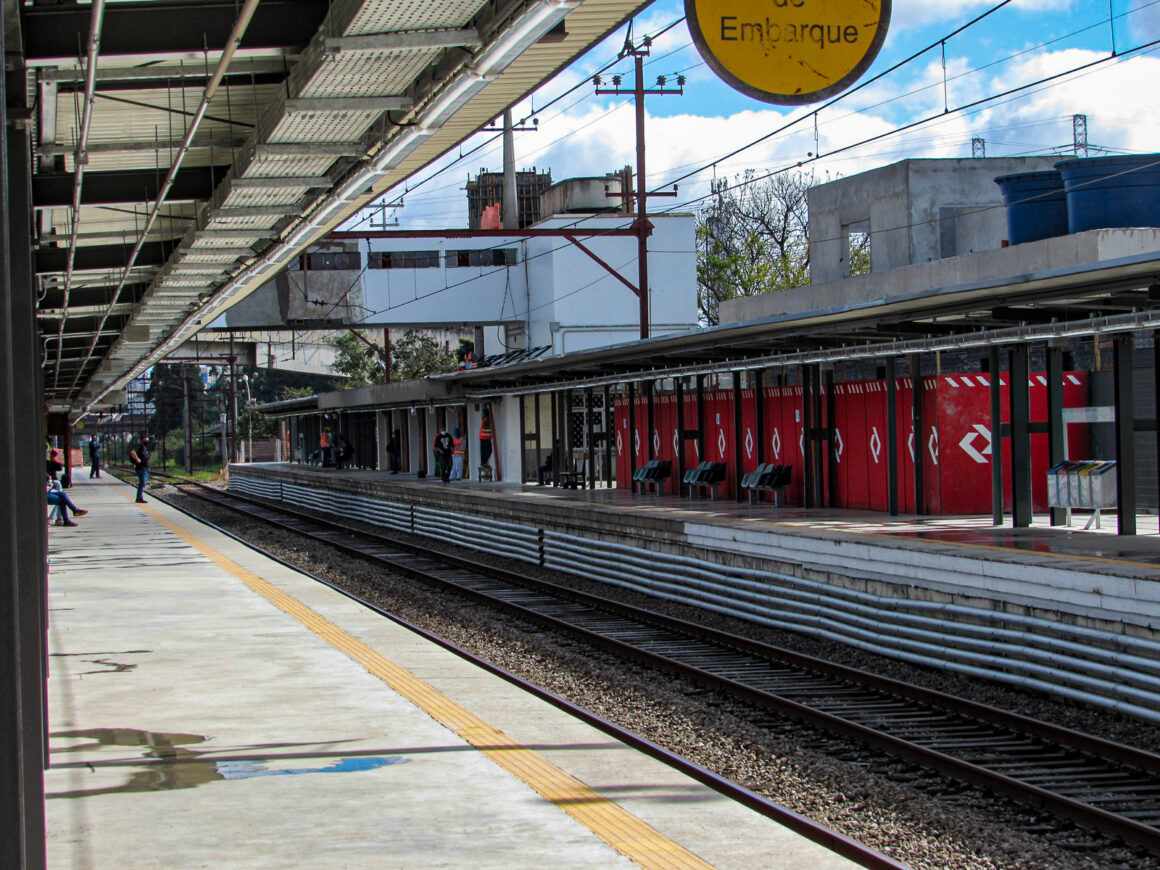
{"points": [[417, 355], [752, 238], [356, 361]]}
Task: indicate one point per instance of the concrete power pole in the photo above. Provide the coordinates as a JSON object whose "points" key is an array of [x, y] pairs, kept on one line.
{"points": [[510, 210]]}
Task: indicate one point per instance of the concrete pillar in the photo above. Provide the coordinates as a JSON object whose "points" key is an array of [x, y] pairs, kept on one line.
{"points": [[22, 504], [471, 438], [508, 440], [415, 439]]}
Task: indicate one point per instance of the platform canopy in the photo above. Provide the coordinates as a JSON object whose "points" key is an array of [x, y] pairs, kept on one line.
{"points": [[186, 151], [1071, 299]]}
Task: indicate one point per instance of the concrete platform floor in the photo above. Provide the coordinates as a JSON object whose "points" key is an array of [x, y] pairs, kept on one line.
{"points": [[1132, 555], [212, 708]]}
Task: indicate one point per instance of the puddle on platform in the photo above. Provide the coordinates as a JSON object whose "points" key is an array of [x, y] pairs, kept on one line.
{"points": [[177, 767]]}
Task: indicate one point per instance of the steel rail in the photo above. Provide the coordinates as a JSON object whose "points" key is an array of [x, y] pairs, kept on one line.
{"points": [[245, 14], [80, 160], [835, 841], [1030, 760]]}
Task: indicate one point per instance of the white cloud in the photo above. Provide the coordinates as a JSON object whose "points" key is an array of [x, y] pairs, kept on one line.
{"points": [[593, 140]]}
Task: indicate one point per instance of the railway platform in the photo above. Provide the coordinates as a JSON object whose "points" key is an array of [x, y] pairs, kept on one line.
{"points": [[1041, 608], [210, 706]]}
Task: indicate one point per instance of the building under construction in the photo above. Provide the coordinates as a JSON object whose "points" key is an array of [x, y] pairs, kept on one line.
{"points": [[486, 189]]}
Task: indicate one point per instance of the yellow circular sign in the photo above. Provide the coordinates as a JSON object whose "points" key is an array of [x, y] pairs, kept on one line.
{"points": [[789, 51]]}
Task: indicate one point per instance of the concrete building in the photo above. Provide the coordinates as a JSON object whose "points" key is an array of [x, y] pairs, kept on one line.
{"points": [[913, 211]]}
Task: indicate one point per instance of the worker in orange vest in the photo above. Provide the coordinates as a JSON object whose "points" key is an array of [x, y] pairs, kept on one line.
{"points": [[458, 452], [486, 437]]}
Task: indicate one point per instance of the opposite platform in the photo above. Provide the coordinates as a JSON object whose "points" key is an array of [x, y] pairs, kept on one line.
{"points": [[209, 707]]}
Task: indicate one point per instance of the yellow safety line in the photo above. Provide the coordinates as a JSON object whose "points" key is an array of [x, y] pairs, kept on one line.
{"points": [[620, 829]]}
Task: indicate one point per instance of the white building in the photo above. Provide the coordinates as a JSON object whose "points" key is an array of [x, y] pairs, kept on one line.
{"points": [[529, 292]]}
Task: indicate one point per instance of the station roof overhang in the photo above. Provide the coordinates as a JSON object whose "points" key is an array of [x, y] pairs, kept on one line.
{"points": [[189, 150], [1089, 299]]}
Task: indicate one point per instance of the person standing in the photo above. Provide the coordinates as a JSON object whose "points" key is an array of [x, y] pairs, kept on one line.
{"points": [[458, 452], [94, 457], [486, 438], [394, 450], [139, 456], [443, 446]]}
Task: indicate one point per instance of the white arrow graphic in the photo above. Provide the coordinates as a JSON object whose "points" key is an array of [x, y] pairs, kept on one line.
{"points": [[968, 443], [656, 441], [635, 442], [748, 443], [875, 444], [721, 443], [775, 443], [839, 446], [910, 444], [676, 442], [932, 444]]}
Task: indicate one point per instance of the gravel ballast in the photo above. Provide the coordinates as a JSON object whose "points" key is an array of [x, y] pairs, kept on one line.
{"points": [[914, 815]]}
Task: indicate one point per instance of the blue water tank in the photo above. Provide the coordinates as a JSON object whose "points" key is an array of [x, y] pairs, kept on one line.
{"points": [[1036, 205], [1107, 192]]}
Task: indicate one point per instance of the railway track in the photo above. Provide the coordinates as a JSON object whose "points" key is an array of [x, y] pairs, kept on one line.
{"points": [[1108, 788]]}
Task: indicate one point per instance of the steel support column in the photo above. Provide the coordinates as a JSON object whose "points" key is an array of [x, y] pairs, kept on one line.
{"points": [[700, 418], [539, 438], [891, 437], [1125, 403], [738, 440], [631, 439], [1055, 420], [807, 442], [679, 384], [759, 413], [996, 439], [588, 433], [609, 425], [650, 387], [557, 444], [1156, 389], [917, 427], [1021, 508], [523, 437], [22, 506], [830, 430]]}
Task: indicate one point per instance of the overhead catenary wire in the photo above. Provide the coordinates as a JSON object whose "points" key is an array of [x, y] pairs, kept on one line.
{"points": [[1015, 92]]}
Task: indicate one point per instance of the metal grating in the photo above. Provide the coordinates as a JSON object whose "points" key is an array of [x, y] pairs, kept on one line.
{"points": [[387, 16], [322, 127], [368, 74]]}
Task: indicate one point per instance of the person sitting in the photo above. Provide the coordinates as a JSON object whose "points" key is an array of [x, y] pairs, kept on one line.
{"points": [[545, 468], [60, 500]]}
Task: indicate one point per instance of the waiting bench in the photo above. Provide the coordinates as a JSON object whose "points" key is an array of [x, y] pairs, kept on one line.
{"points": [[706, 476], [654, 473], [770, 478]]}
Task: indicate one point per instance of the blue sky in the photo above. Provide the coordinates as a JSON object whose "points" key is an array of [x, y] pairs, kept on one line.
{"points": [[1026, 40]]}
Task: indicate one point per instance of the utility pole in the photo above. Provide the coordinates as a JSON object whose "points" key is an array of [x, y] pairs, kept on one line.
{"points": [[232, 409], [187, 420], [639, 92], [510, 209]]}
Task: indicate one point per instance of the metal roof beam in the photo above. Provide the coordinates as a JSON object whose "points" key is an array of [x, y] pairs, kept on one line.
{"points": [[253, 211], [99, 257], [54, 190], [309, 149], [405, 41], [126, 236], [302, 105], [284, 183], [139, 32], [162, 147]]}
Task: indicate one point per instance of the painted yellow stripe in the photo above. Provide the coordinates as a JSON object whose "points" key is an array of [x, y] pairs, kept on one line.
{"points": [[620, 829]]}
